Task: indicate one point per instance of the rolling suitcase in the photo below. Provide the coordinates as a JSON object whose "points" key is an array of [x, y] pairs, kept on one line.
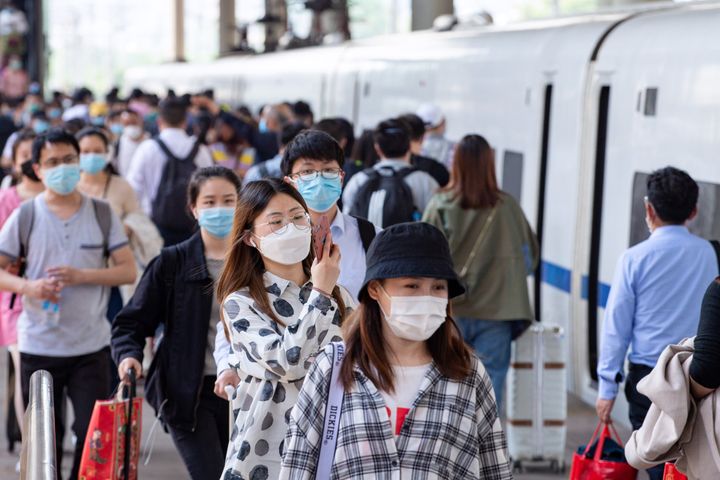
{"points": [[537, 398]]}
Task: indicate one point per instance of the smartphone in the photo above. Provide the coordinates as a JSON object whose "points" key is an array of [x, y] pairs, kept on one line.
{"points": [[320, 232]]}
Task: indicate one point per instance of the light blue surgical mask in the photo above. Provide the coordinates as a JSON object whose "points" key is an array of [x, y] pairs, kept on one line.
{"points": [[320, 193], [93, 162], [54, 113], [262, 126], [116, 129], [40, 126], [218, 221], [62, 179]]}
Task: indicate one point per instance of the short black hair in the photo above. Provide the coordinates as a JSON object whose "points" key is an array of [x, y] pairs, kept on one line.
{"points": [[93, 132], [392, 137], [349, 134], [290, 131], [415, 126], [673, 194], [173, 111], [202, 175], [332, 127], [302, 109], [53, 136], [312, 144]]}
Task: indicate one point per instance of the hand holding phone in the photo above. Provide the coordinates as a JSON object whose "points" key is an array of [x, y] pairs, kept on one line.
{"points": [[320, 232]]}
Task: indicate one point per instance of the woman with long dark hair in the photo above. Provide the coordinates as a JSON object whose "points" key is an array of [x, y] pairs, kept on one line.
{"points": [[280, 307], [494, 250], [177, 291], [416, 402]]}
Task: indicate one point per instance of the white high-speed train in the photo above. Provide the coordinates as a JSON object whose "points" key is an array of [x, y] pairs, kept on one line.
{"points": [[579, 111]]}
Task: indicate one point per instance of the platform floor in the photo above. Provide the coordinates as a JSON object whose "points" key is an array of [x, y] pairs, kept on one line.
{"points": [[166, 464]]}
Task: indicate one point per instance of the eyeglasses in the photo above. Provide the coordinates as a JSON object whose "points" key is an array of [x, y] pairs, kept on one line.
{"points": [[279, 225], [307, 175], [53, 162]]}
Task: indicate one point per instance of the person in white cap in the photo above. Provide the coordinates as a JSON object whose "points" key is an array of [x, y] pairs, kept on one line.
{"points": [[435, 144]]}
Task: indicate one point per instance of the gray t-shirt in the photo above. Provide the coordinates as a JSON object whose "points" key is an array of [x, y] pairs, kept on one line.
{"points": [[78, 242], [215, 268]]}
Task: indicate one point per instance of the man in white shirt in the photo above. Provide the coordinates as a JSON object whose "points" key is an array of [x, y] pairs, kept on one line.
{"points": [[130, 138], [392, 143], [435, 145], [149, 161]]}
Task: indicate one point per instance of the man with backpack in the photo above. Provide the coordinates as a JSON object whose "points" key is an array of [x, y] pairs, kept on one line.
{"points": [[64, 240], [161, 169], [392, 191], [312, 164]]}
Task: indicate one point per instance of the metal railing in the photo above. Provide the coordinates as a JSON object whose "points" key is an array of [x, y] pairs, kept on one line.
{"points": [[38, 446]]}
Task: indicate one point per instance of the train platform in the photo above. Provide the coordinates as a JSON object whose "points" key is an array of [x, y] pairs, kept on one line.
{"points": [[165, 462]]}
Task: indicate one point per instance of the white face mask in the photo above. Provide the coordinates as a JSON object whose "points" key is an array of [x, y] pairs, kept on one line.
{"points": [[287, 248], [415, 318], [133, 131]]}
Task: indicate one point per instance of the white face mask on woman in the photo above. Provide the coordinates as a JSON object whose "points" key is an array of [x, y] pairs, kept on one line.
{"points": [[415, 318], [287, 248]]}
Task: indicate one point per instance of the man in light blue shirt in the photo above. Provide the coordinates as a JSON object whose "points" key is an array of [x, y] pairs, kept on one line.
{"points": [[656, 294]]}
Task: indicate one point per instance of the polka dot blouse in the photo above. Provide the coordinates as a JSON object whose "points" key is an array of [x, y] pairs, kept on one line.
{"points": [[272, 361]]}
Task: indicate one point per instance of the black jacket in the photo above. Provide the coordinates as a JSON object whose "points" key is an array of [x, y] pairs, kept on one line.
{"points": [[175, 291]]}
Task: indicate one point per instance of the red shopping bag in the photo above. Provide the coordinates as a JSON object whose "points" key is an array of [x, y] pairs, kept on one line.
{"points": [[109, 452], [672, 473], [592, 466]]}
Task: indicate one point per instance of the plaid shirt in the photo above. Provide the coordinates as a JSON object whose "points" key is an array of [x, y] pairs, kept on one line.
{"points": [[451, 432]]}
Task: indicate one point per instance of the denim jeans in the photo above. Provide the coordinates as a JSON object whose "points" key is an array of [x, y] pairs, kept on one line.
{"points": [[204, 449], [638, 406], [491, 339]]}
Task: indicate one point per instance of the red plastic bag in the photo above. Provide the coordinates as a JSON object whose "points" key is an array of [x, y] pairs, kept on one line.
{"points": [[109, 454], [585, 467], [672, 473]]}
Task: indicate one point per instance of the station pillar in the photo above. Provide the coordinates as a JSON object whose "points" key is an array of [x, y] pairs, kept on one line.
{"points": [[424, 12], [179, 30], [227, 26]]}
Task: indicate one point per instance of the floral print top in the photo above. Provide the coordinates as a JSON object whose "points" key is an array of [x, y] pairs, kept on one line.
{"points": [[272, 362]]}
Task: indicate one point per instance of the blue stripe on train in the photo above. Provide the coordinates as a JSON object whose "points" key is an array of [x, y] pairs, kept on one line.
{"points": [[561, 278]]}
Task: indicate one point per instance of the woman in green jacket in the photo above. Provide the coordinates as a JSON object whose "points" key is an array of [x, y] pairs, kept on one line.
{"points": [[494, 250]]}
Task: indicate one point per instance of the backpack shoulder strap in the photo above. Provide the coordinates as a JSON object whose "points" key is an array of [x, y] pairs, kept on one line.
{"points": [[333, 411], [103, 215], [716, 246], [163, 146], [367, 232], [26, 219], [194, 151], [404, 172]]}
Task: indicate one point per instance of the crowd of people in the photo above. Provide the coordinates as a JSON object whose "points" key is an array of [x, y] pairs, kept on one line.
{"points": [[251, 266]]}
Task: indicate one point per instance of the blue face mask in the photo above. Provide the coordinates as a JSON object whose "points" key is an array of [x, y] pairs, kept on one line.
{"points": [[40, 126], [320, 193], [62, 179], [116, 129], [93, 162], [262, 126], [217, 221], [54, 113]]}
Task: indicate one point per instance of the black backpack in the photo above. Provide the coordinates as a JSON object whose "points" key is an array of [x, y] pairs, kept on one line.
{"points": [[168, 209], [385, 199]]}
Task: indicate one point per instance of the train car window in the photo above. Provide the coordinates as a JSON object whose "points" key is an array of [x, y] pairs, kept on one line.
{"points": [[512, 174], [651, 95], [706, 224]]}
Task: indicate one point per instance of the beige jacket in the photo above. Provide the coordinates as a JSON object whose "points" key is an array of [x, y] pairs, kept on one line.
{"points": [[677, 426]]}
